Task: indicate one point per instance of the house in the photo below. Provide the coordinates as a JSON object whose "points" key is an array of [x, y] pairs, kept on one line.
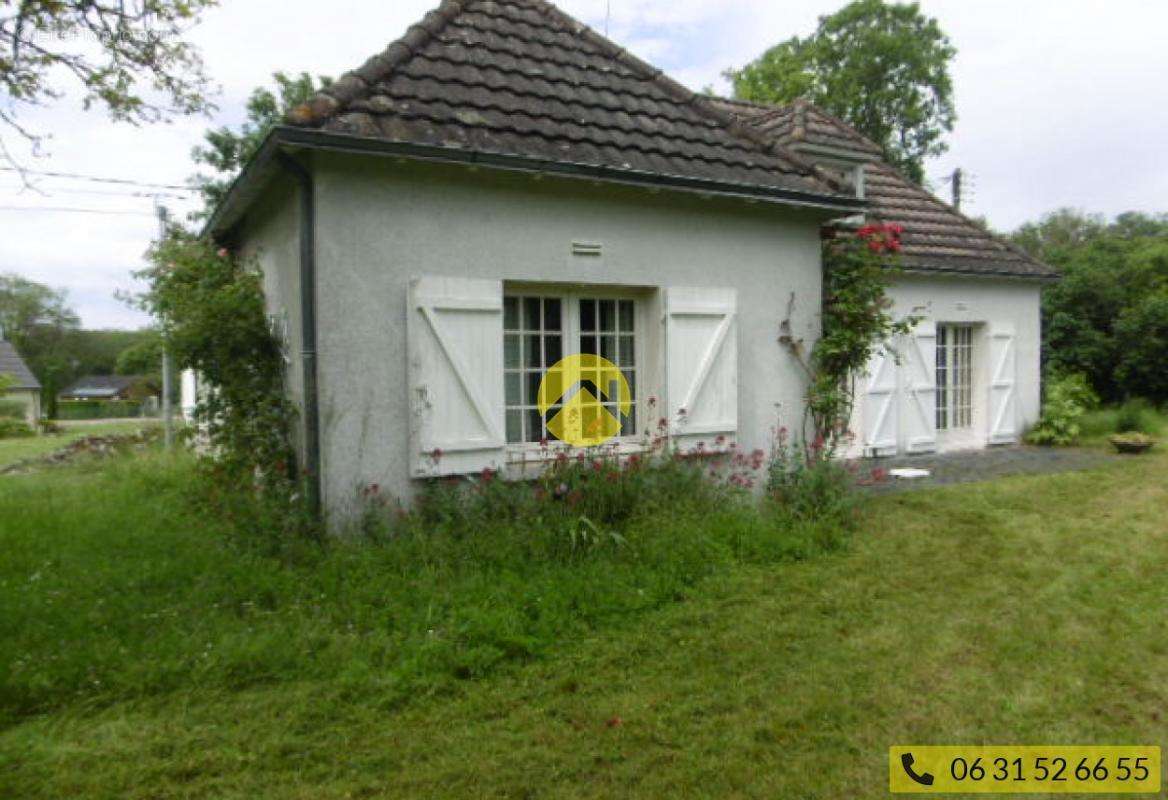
{"points": [[25, 389], [107, 388], [969, 375], [504, 188]]}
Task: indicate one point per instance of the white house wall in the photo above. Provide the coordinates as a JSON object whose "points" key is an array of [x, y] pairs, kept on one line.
{"points": [[381, 222], [985, 303]]}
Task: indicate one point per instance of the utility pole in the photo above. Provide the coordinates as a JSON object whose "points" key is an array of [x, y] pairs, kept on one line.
{"points": [[167, 381], [958, 179]]}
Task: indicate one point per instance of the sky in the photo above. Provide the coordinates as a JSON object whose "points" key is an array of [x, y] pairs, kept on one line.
{"points": [[1060, 103]]}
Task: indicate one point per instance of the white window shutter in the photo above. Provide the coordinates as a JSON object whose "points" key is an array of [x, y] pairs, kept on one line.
{"points": [[1003, 400], [455, 338], [919, 367], [701, 365], [880, 412]]}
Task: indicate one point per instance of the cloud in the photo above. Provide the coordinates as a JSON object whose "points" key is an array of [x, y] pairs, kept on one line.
{"points": [[1059, 104]]}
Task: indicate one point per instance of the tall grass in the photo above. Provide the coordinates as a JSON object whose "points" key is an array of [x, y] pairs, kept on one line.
{"points": [[115, 584]]}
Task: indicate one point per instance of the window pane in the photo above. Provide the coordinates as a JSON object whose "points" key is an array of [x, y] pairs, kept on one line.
{"points": [[511, 313], [553, 384], [514, 426], [608, 315], [532, 357], [512, 381], [531, 313], [534, 425], [588, 345], [608, 347], [551, 314], [554, 347], [511, 351], [628, 355], [629, 423], [588, 315], [531, 395], [626, 316]]}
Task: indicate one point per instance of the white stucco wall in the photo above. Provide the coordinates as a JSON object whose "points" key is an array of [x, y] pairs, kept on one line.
{"points": [[269, 237], [381, 222], [983, 303]]}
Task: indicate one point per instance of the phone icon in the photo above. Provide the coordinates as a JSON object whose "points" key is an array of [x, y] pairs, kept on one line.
{"points": [[906, 761]]}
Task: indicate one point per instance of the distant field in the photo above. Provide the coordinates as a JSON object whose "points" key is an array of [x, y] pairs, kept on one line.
{"points": [[13, 450]]}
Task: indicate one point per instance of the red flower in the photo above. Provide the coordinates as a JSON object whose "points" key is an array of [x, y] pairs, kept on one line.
{"points": [[488, 475]]}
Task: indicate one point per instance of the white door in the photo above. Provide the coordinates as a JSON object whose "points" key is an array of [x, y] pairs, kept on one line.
{"points": [[879, 407], [919, 389], [1003, 393]]}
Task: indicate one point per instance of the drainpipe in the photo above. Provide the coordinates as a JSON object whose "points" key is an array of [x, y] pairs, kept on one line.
{"points": [[308, 330]]}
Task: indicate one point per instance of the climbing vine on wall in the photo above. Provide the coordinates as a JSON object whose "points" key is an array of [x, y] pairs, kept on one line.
{"points": [[858, 267]]}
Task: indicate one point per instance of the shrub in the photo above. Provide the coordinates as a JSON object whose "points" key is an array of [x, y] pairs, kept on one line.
{"points": [[1136, 416], [810, 491], [1068, 398], [14, 428], [12, 409]]}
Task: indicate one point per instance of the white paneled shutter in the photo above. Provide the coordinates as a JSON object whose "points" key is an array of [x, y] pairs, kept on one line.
{"points": [[920, 388], [1003, 400], [880, 412], [701, 365], [455, 338]]}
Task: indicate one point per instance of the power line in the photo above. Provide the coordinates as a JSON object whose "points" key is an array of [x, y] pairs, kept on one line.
{"points": [[74, 210], [95, 178], [22, 191]]}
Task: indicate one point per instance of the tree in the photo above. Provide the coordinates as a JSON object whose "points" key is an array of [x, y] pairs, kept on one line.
{"points": [[883, 68], [129, 57], [226, 151], [37, 320], [144, 357], [1108, 316]]}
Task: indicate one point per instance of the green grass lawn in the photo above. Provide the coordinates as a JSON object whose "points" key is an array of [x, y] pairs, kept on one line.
{"points": [[1029, 610], [13, 450]]}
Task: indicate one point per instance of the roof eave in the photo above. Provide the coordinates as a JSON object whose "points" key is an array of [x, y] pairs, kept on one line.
{"points": [[259, 168], [936, 269]]}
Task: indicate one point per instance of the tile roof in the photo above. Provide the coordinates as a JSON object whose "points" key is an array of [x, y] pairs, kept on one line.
{"points": [[937, 237], [12, 364], [521, 78], [99, 386]]}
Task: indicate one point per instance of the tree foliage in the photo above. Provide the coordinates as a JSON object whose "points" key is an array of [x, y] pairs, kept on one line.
{"points": [[225, 150], [129, 57], [1108, 316], [881, 67], [212, 308]]}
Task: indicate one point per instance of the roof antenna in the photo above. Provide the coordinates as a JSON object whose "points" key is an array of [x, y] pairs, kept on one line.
{"points": [[607, 15]]}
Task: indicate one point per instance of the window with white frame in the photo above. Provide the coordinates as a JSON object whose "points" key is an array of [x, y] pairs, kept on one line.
{"points": [[954, 377], [540, 329]]}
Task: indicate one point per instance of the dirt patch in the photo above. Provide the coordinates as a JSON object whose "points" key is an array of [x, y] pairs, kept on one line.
{"points": [[85, 447]]}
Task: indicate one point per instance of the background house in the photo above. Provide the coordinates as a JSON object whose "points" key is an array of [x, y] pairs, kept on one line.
{"points": [[108, 396], [23, 397]]}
